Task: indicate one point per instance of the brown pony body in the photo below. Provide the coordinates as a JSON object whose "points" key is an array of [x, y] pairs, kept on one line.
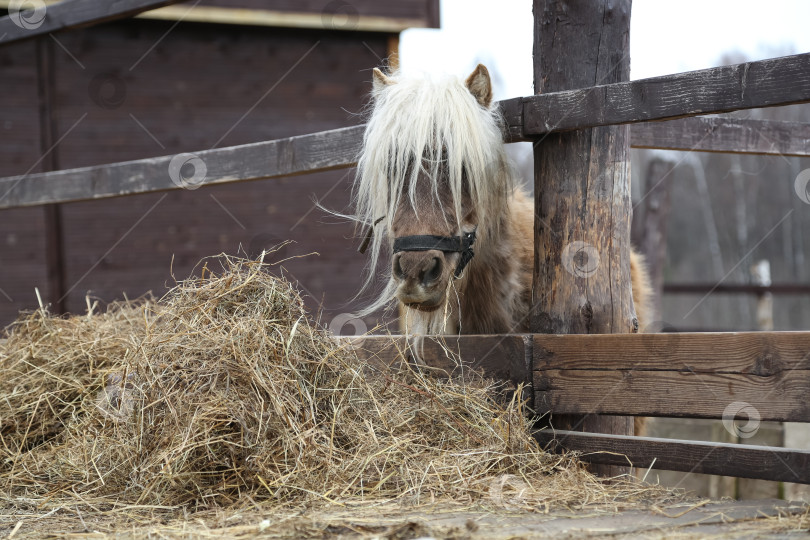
{"points": [[426, 170]]}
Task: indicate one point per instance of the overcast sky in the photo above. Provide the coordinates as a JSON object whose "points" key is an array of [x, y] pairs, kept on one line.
{"points": [[665, 37]]}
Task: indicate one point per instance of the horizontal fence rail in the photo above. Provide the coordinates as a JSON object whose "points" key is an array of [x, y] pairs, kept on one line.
{"points": [[725, 135], [315, 152], [329, 150], [740, 460], [697, 375], [756, 84], [19, 25], [765, 83], [734, 288]]}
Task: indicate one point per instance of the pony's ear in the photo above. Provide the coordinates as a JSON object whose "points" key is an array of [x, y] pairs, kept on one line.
{"points": [[480, 85], [380, 80]]}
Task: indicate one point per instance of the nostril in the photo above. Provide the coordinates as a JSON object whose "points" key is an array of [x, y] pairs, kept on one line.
{"points": [[398, 273], [433, 272]]}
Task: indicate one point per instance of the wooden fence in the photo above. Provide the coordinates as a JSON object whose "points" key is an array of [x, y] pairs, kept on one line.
{"points": [[746, 375], [690, 375]]}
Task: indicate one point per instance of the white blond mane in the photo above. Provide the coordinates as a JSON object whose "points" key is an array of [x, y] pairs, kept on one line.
{"points": [[437, 122]]}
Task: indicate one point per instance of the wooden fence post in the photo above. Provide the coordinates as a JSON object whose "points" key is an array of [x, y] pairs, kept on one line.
{"points": [[582, 187]]}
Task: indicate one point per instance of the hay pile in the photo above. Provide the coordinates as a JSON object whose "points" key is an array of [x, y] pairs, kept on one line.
{"points": [[225, 389]]}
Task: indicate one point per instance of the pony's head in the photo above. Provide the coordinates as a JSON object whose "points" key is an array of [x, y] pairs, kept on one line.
{"points": [[433, 172]]}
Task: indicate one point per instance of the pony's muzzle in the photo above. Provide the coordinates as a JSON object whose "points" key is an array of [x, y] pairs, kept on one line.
{"points": [[418, 271]]}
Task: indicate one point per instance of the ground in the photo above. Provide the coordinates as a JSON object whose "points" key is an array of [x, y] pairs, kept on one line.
{"points": [[695, 519]]}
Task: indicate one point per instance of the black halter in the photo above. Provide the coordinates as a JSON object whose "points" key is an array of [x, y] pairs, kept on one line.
{"points": [[449, 244]]}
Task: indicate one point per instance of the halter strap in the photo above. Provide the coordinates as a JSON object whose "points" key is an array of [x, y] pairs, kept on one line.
{"points": [[449, 244], [369, 234]]}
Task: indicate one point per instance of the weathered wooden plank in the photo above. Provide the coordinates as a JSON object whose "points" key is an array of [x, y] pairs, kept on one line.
{"points": [[695, 134], [354, 22], [148, 175], [69, 14], [733, 288], [669, 393], [512, 114], [315, 152], [765, 83], [762, 354], [681, 375], [699, 375], [741, 460], [728, 135], [357, 16]]}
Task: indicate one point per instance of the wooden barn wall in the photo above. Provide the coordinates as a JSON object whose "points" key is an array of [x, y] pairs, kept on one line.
{"points": [[22, 231], [123, 92]]}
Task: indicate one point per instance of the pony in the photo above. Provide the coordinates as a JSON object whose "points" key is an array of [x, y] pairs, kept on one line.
{"points": [[435, 184]]}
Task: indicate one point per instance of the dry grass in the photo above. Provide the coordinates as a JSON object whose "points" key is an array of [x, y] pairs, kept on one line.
{"points": [[225, 394]]}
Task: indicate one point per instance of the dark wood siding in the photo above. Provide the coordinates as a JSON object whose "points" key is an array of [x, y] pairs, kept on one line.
{"points": [[22, 231], [122, 97]]}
